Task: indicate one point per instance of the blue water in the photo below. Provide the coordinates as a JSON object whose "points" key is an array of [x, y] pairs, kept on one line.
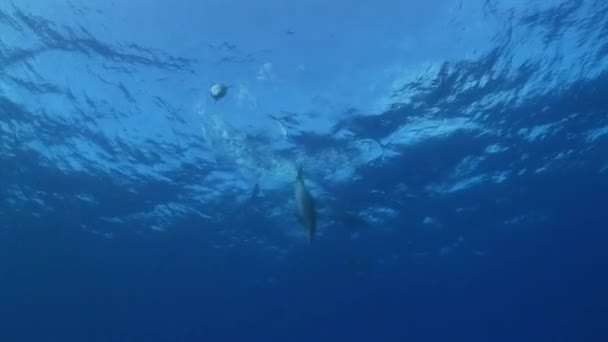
{"points": [[457, 152]]}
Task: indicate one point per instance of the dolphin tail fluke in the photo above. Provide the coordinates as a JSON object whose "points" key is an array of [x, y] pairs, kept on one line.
{"points": [[300, 172]]}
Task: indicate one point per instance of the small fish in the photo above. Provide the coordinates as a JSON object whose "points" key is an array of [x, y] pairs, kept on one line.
{"points": [[218, 91]]}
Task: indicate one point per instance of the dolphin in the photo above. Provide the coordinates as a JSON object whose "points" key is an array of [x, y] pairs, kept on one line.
{"points": [[305, 206]]}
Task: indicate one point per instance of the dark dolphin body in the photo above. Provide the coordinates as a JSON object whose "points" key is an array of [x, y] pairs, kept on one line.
{"points": [[305, 206]]}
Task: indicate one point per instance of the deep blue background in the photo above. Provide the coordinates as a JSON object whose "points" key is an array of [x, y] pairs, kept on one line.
{"points": [[543, 283], [540, 278]]}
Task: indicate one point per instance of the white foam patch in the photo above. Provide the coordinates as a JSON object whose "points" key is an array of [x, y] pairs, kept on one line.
{"points": [[422, 129], [466, 166], [400, 75], [501, 177], [536, 133], [596, 134], [266, 72], [158, 217], [378, 214], [87, 198], [469, 182], [495, 148], [431, 221], [114, 220], [463, 184], [530, 218], [541, 132]]}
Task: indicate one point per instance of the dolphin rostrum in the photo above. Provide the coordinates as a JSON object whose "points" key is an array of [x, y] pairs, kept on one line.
{"points": [[305, 206]]}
